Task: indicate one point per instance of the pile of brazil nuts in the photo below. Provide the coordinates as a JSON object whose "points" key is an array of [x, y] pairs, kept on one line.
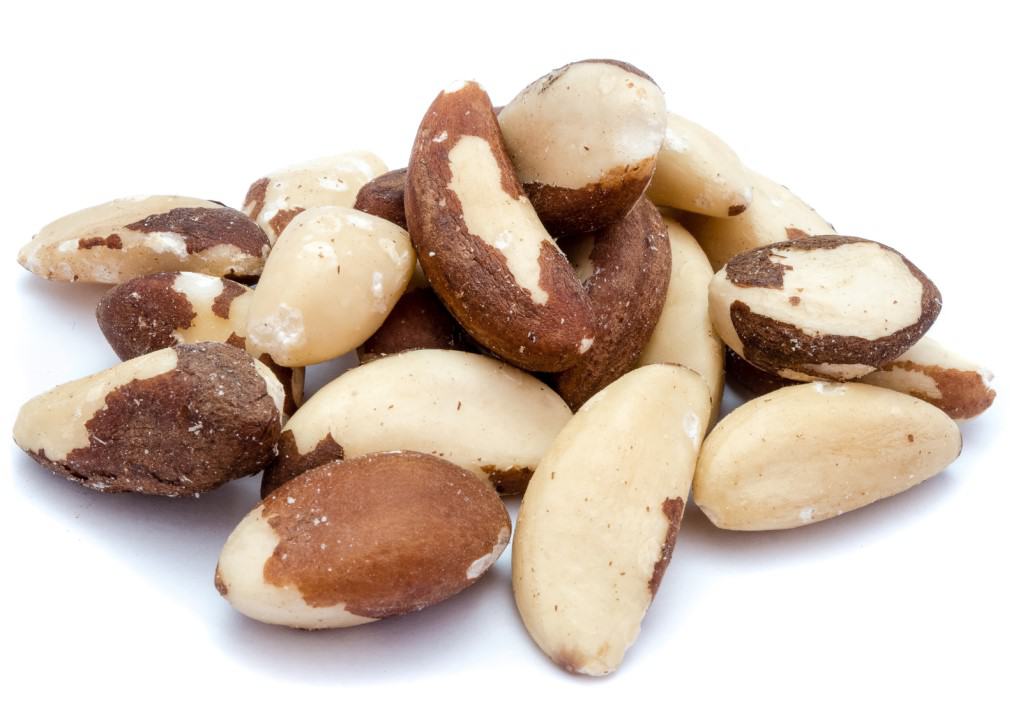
{"points": [[545, 302]]}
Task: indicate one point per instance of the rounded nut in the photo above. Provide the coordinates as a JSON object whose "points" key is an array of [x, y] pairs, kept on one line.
{"points": [[417, 322], [355, 541], [683, 334], [813, 451], [178, 421], [274, 201], [134, 236], [165, 309], [827, 307], [774, 215], [933, 373], [597, 525], [384, 197], [698, 172], [584, 140], [481, 245], [330, 282], [625, 269], [490, 419]]}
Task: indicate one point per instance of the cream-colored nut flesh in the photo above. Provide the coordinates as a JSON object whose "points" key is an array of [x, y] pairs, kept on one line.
{"points": [[684, 334], [133, 236], [930, 371], [273, 201], [598, 522], [812, 451], [332, 278], [774, 215], [698, 172], [481, 414]]}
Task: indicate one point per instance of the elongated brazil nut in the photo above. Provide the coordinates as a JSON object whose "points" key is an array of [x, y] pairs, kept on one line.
{"points": [[165, 309], [813, 451], [584, 140], [597, 525], [485, 416], [355, 541], [481, 245], [827, 307], [625, 269], [134, 236], [178, 421]]}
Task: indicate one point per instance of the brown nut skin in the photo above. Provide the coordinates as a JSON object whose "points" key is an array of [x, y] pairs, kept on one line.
{"points": [[752, 380], [384, 197], [165, 309], [627, 269], [490, 262], [210, 416], [381, 535], [418, 322]]}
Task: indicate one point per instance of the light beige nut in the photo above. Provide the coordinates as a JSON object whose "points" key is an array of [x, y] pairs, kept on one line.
{"points": [[485, 416], [274, 201], [683, 334], [827, 307], [330, 282], [176, 422], [930, 371], [598, 523], [134, 236], [356, 541], [698, 172], [774, 215], [384, 196], [584, 140], [813, 451], [625, 268], [165, 309], [418, 322], [481, 245]]}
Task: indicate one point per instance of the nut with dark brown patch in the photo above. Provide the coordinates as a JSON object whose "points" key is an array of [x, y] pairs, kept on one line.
{"points": [[481, 245], [384, 197], [584, 140], [418, 322], [179, 421], [753, 381], [136, 236], [862, 304], [274, 201], [625, 269], [354, 541]]}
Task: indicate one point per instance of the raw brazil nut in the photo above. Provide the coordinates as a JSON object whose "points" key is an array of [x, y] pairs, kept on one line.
{"points": [[813, 451], [134, 236], [355, 541], [597, 525], [178, 421], [481, 245], [584, 140], [483, 415], [831, 307], [384, 196], [417, 322]]}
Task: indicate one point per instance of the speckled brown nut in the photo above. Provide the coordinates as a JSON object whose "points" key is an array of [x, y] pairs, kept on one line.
{"points": [[274, 201], [931, 372], [485, 416], [584, 140], [175, 422], [136, 236], [384, 197], [481, 245], [354, 541], [165, 309], [597, 525], [683, 334], [774, 215], [751, 380], [698, 172], [826, 307], [418, 322], [625, 269], [813, 451]]}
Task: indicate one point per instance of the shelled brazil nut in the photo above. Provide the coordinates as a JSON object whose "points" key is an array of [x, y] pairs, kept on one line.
{"points": [[418, 322], [384, 196]]}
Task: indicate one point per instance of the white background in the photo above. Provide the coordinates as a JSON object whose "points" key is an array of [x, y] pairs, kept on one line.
{"points": [[900, 125]]}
